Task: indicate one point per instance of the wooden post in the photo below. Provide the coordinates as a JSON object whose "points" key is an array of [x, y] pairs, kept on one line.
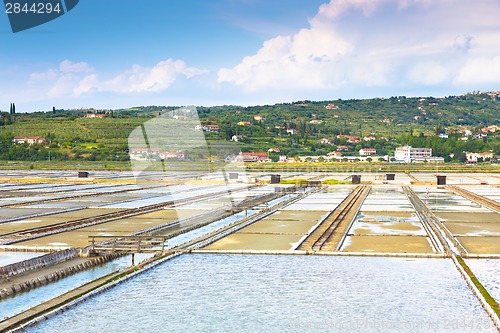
{"points": [[133, 259]]}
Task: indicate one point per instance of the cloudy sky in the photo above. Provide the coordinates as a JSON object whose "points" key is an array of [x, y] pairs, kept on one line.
{"points": [[123, 53]]}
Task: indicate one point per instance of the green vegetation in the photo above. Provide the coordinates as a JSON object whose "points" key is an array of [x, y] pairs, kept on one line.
{"points": [[489, 299], [297, 181], [292, 129]]}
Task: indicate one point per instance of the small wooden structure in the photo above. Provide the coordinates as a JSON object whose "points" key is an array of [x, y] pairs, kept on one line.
{"points": [[83, 174], [356, 179], [275, 179], [441, 180]]}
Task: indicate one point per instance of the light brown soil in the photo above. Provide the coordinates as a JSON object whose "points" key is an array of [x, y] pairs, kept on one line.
{"points": [[390, 226], [280, 227], [468, 217], [79, 238], [481, 245], [464, 228], [51, 219], [241, 241], [276, 232], [391, 244], [392, 214]]}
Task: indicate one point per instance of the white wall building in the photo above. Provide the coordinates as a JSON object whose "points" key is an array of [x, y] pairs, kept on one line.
{"points": [[409, 154]]}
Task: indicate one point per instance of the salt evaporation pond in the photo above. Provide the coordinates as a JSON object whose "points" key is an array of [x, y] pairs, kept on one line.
{"points": [[486, 270], [24, 301], [7, 258], [223, 293]]}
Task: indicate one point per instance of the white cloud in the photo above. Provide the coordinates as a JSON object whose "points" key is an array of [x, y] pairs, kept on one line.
{"points": [[428, 73], [479, 71], [76, 79], [355, 44], [67, 66]]}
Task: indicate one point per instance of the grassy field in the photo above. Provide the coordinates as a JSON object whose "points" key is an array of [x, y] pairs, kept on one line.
{"points": [[370, 167], [64, 165], [256, 167]]}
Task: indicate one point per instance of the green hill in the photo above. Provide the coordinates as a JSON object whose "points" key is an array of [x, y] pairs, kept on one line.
{"points": [[293, 128]]}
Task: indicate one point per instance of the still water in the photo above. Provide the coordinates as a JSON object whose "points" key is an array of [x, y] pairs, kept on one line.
{"points": [[223, 293], [26, 300], [7, 258]]}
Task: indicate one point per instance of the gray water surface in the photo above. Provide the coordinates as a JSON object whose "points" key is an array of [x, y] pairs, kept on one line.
{"points": [[224, 293]]}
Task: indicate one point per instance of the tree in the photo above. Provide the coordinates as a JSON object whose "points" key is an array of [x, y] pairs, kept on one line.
{"points": [[53, 109]]}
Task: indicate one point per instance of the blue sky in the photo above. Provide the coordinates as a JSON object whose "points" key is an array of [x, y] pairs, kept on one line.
{"points": [[123, 53]]}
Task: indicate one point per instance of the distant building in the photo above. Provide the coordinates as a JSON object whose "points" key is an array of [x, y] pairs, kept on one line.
{"points": [[95, 115], [342, 148], [473, 157], [237, 138], [207, 128], [254, 157], [335, 154], [284, 159], [367, 151], [353, 139], [325, 141], [291, 131], [369, 138], [409, 154], [155, 153], [28, 139], [274, 150], [491, 129], [244, 123]]}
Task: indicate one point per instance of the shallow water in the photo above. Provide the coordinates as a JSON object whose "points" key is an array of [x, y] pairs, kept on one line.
{"points": [[24, 301], [7, 258], [221, 293], [487, 271]]}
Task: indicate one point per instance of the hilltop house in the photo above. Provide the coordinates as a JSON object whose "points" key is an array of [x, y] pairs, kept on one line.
{"points": [[491, 129], [325, 141], [237, 138], [28, 139]]}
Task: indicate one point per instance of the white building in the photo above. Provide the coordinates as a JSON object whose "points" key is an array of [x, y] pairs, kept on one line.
{"points": [[367, 151], [409, 154], [473, 157]]}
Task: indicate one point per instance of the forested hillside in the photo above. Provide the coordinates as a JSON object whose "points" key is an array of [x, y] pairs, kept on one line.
{"points": [[292, 129]]}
